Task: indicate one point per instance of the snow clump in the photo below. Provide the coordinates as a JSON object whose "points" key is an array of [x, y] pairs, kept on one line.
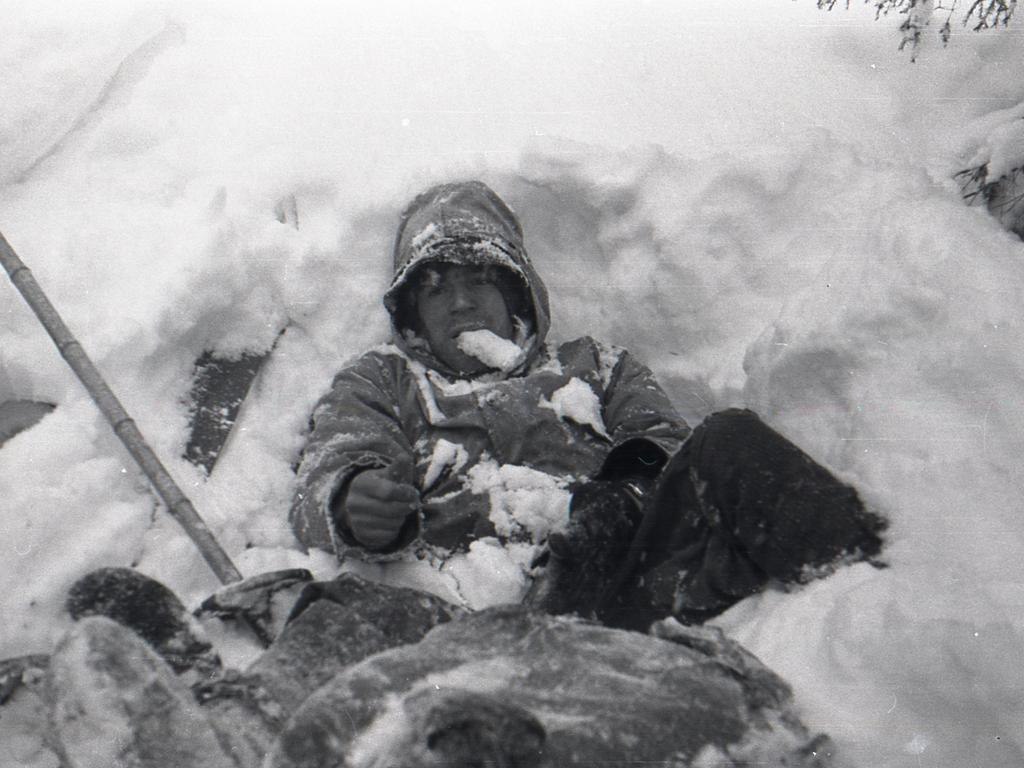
{"points": [[446, 454], [490, 349], [491, 573], [577, 402], [525, 503]]}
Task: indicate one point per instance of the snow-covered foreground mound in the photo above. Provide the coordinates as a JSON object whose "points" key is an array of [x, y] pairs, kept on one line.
{"points": [[835, 285]]}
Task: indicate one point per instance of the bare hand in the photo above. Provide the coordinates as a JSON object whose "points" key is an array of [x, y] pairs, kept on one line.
{"points": [[378, 504]]}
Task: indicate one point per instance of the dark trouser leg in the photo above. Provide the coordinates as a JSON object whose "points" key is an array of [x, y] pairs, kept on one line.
{"points": [[737, 507]]}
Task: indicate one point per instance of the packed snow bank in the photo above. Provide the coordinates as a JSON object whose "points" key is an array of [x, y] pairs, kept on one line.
{"points": [[773, 251], [900, 367]]}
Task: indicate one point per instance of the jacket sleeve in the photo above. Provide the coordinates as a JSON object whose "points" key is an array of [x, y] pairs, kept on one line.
{"points": [[644, 426], [354, 427]]}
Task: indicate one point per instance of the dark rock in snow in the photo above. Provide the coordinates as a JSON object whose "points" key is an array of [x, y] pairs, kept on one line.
{"points": [[99, 680], [337, 624], [219, 387], [333, 626], [114, 702], [380, 676], [507, 687], [18, 415]]}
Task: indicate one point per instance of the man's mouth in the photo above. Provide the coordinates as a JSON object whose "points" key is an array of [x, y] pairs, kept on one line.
{"points": [[467, 325]]}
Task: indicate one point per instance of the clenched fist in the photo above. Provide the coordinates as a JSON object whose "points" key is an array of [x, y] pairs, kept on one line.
{"points": [[379, 502]]}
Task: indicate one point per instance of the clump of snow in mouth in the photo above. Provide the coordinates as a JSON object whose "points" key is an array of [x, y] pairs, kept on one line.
{"points": [[490, 349]]}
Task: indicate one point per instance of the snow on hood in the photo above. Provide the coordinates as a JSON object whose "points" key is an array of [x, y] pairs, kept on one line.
{"points": [[462, 223]]}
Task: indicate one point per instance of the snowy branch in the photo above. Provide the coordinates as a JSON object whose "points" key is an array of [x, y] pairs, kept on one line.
{"points": [[989, 14], [981, 14], [1003, 196]]}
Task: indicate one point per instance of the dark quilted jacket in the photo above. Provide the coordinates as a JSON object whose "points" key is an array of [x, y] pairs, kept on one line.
{"points": [[399, 403]]}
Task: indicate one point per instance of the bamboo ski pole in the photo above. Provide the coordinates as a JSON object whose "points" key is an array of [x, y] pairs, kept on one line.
{"points": [[124, 427]]}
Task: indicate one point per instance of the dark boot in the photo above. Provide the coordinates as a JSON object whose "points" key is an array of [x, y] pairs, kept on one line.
{"points": [[584, 561], [149, 609]]}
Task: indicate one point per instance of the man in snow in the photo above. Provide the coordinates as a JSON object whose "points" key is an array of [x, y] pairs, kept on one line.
{"points": [[663, 521], [400, 469]]}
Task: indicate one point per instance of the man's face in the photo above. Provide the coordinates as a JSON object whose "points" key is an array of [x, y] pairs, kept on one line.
{"points": [[453, 298]]}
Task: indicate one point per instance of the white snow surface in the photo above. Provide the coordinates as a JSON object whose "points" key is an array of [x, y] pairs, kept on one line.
{"points": [[756, 199]]}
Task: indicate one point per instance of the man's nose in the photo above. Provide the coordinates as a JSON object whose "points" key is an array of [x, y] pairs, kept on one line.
{"points": [[462, 298]]}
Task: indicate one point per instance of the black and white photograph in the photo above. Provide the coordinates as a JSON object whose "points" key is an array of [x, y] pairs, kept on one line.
{"points": [[529, 384]]}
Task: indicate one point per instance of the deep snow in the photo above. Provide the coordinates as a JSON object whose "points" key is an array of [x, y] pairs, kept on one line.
{"points": [[756, 199]]}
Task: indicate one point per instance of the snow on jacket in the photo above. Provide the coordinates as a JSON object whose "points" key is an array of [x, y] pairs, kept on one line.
{"points": [[471, 444]]}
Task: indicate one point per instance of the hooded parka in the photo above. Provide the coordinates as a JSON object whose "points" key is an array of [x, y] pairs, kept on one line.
{"points": [[399, 406]]}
